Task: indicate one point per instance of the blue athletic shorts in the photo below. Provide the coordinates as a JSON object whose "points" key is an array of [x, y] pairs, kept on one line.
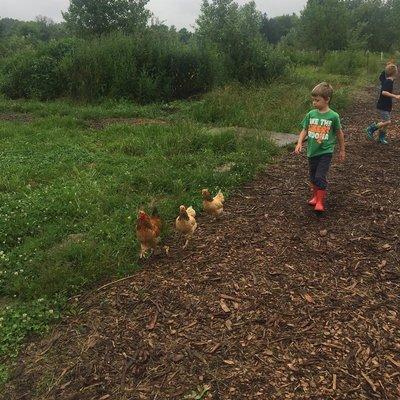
{"points": [[385, 115]]}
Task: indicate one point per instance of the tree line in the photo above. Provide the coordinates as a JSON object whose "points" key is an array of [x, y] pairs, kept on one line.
{"points": [[322, 25], [133, 55]]}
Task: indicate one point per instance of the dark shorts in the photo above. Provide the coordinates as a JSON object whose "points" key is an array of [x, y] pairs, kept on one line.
{"points": [[384, 115], [319, 167]]}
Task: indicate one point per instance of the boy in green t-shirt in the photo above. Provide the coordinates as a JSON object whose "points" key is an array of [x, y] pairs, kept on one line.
{"points": [[323, 128]]}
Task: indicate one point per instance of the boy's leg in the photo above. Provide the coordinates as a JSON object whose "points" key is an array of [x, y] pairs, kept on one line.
{"points": [[371, 129], [321, 173], [313, 164], [382, 137], [321, 180], [386, 121]]}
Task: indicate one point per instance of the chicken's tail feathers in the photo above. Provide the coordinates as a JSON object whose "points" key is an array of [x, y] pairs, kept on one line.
{"points": [[191, 211], [220, 196]]}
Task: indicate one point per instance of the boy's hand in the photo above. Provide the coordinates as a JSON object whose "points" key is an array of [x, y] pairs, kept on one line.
{"points": [[299, 148], [342, 155], [397, 97]]}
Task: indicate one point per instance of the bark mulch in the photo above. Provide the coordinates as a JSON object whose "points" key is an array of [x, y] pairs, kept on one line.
{"points": [[270, 302], [16, 117]]}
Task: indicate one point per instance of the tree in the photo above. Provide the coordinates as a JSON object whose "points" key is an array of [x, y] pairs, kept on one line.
{"points": [[98, 17], [235, 32], [9, 26], [393, 14], [229, 26], [185, 35], [324, 25], [274, 29]]}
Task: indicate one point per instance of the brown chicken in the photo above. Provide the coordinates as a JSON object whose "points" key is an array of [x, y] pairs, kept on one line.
{"points": [[186, 223], [213, 205], [148, 229]]}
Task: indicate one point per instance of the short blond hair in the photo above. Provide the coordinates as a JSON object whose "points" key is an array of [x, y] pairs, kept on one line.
{"points": [[324, 90], [391, 70]]}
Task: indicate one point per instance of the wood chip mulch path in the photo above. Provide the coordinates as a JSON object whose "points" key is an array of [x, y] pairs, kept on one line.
{"points": [[270, 302]]}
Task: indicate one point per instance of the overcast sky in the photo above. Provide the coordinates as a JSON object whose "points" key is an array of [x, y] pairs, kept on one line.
{"points": [[174, 12]]}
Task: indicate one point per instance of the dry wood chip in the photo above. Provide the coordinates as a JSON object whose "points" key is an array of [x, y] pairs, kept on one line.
{"points": [[226, 297], [370, 382], [393, 361], [215, 348], [382, 264], [224, 306]]}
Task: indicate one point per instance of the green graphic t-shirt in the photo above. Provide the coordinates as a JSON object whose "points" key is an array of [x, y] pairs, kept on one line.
{"points": [[322, 129]]}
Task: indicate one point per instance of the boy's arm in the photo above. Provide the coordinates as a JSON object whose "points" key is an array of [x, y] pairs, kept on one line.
{"points": [[342, 150], [299, 146], [388, 94]]}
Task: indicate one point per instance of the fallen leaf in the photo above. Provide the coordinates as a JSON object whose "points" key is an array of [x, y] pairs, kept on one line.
{"points": [[229, 362], [228, 324], [386, 247], [323, 233], [178, 357], [150, 326], [309, 298]]}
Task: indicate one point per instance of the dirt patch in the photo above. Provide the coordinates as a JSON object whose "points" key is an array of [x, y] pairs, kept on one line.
{"points": [[16, 117], [103, 123], [279, 138], [269, 302]]}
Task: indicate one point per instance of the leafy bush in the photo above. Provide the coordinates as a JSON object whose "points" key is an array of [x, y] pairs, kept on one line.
{"points": [[301, 57], [35, 73], [344, 62], [143, 68]]}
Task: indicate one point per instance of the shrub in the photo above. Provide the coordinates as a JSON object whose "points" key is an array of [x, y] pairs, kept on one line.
{"points": [[143, 68], [147, 67], [35, 73], [344, 62]]}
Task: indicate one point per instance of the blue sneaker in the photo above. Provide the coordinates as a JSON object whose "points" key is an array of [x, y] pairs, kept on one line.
{"points": [[382, 138], [370, 131]]}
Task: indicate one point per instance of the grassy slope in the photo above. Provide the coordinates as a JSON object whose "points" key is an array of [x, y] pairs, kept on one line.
{"points": [[69, 194]]}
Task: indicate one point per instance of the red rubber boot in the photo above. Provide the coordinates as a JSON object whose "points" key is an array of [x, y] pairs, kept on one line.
{"points": [[313, 200], [321, 195]]}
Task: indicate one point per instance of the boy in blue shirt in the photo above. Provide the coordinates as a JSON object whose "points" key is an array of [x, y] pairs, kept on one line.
{"points": [[384, 105]]}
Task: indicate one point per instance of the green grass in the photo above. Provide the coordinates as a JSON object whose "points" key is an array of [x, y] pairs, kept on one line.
{"points": [[69, 197], [69, 194], [277, 107]]}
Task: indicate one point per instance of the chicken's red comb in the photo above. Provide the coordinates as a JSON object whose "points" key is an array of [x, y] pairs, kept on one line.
{"points": [[142, 215]]}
